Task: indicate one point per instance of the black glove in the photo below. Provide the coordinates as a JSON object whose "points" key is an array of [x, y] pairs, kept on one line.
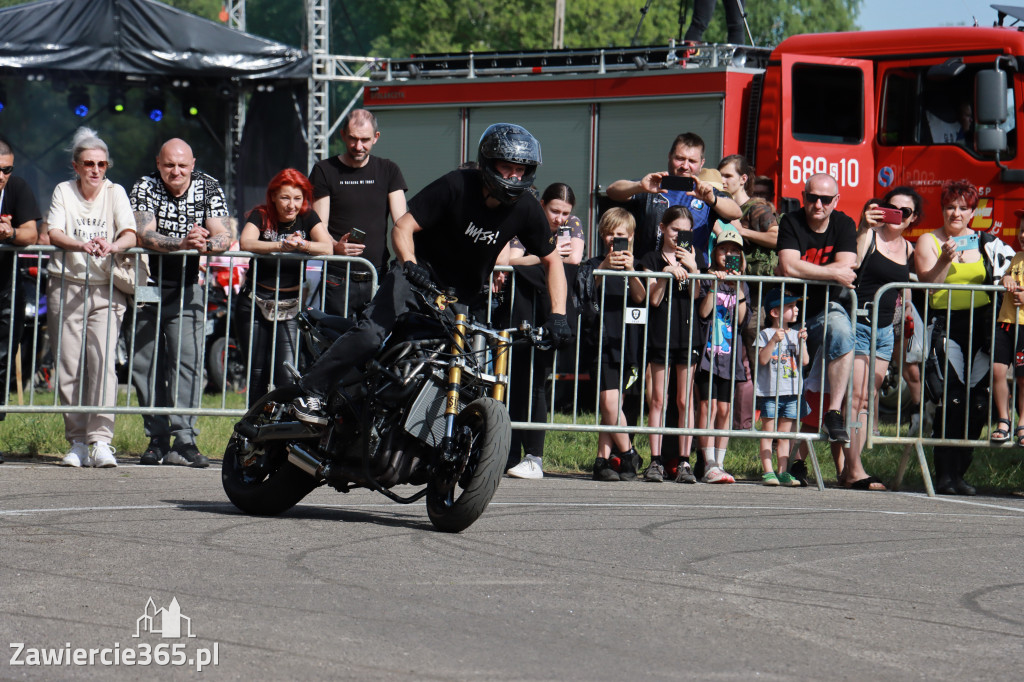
{"points": [[417, 274], [557, 331]]}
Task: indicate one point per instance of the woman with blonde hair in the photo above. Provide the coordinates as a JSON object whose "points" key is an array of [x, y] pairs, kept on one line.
{"points": [[89, 219]]}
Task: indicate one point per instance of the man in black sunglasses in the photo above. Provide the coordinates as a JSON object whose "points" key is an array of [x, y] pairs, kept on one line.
{"points": [[19, 213], [820, 243]]}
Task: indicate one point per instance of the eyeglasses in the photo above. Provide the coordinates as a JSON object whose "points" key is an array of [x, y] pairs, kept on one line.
{"points": [[93, 164], [906, 211], [823, 198], [6, 170]]}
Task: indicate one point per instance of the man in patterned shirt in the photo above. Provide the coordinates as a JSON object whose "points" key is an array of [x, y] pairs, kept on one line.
{"points": [[177, 208]]}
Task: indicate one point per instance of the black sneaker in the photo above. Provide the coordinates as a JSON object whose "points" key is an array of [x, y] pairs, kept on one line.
{"points": [[309, 409], [603, 471], [631, 463], [798, 470], [833, 423], [155, 453], [187, 455]]}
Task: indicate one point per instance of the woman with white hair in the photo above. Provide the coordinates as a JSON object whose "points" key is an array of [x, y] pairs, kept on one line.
{"points": [[89, 219]]}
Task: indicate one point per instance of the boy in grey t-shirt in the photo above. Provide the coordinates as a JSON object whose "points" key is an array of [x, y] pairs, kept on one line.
{"points": [[778, 389]]}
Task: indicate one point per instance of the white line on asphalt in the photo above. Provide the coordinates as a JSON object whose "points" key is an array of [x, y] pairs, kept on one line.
{"points": [[643, 505]]}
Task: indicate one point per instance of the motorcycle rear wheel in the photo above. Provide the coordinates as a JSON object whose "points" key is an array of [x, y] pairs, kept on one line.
{"points": [[454, 510], [270, 485]]}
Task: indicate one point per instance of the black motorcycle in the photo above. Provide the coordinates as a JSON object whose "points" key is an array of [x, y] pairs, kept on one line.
{"points": [[428, 411]]}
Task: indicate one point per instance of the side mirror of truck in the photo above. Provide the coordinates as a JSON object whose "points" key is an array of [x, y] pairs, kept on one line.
{"points": [[990, 111], [990, 97]]}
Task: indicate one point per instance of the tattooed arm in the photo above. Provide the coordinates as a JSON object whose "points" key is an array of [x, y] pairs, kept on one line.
{"points": [[149, 238], [220, 238]]}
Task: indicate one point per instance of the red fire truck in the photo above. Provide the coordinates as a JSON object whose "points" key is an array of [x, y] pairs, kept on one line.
{"points": [[874, 109]]}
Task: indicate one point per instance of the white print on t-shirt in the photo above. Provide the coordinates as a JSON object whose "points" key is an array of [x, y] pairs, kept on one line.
{"points": [[368, 181], [478, 235]]}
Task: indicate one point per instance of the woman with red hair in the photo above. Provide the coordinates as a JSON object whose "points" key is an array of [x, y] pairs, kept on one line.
{"points": [[267, 308], [961, 327]]}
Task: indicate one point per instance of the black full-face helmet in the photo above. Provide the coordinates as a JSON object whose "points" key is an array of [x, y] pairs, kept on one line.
{"points": [[514, 144]]}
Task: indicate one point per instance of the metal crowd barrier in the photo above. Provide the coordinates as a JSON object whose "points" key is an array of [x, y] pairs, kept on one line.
{"points": [[759, 288], [935, 370], [569, 373], [35, 375]]}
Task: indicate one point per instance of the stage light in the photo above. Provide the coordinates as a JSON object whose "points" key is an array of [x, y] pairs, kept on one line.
{"points": [[116, 103], [189, 105], [78, 101], [3, 98], [154, 106]]}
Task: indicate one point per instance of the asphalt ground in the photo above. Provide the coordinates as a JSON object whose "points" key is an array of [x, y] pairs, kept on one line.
{"points": [[561, 579]]}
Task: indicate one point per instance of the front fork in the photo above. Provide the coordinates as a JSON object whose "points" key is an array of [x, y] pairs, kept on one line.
{"points": [[451, 407], [449, 453]]}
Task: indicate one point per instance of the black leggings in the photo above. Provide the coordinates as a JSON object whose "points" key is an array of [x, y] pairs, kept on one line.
{"points": [[522, 393], [965, 411], [257, 344], [702, 13]]}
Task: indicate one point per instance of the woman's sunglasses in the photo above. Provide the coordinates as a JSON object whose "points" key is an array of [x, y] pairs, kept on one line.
{"points": [[93, 164]]}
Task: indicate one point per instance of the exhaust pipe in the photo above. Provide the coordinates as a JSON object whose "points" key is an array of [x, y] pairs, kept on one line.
{"points": [[305, 461]]}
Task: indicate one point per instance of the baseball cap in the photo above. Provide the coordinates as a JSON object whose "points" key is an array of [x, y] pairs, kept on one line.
{"points": [[727, 235], [775, 299], [713, 177]]}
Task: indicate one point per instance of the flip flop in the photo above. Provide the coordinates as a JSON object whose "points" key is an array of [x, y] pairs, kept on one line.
{"points": [[1001, 435], [866, 483]]}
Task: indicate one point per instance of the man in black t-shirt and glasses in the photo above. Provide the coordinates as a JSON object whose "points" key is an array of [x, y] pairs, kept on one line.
{"points": [[451, 237], [820, 243], [356, 191], [19, 214], [177, 208]]}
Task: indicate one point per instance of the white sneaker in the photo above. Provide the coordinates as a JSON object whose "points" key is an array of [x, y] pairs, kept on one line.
{"points": [[103, 455], [530, 467], [78, 456]]}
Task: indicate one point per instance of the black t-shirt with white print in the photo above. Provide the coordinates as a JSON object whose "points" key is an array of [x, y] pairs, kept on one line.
{"points": [[175, 217], [291, 273], [462, 237]]}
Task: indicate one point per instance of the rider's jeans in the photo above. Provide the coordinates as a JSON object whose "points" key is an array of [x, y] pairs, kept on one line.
{"points": [[357, 346]]}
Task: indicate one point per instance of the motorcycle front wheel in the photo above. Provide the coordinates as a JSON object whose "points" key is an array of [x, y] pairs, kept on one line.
{"points": [[453, 509], [257, 477]]}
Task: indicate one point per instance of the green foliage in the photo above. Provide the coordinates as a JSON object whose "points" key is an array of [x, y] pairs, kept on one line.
{"points": [[41, 435]]}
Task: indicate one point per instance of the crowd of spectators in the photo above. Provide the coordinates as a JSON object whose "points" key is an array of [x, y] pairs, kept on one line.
{"points": [[714, 354]]}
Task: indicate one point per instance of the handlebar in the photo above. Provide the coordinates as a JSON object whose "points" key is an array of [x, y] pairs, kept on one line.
{"points": [[524, 333]]}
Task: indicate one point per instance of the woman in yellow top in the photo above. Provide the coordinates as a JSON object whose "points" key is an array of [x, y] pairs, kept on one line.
{"points": [[961, 326]]}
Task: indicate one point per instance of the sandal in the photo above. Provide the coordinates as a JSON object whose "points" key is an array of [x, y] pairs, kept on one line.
{"points": [[1018, 436], [1001, 435], [869, 483]]}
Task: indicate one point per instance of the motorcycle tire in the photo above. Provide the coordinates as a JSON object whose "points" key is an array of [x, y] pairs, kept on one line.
{"points": [[215, 364], [269, 490], [452, 511]]}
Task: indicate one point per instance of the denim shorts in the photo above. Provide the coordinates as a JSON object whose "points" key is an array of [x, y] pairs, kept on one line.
{"points": [[788, 406], [883, 345], [840, 339]]}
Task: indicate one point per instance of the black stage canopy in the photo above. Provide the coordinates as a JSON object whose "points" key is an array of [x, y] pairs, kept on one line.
{"points": [[138, 37]]}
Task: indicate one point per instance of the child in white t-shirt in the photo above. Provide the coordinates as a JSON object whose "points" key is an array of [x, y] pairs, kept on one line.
{"points": [[779, 396]]}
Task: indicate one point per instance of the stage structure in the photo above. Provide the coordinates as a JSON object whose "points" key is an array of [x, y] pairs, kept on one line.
{"points": [[123, 44]]}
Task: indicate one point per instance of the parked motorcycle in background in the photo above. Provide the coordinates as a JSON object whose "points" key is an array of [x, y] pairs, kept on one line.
{"points": [[225, 362]]}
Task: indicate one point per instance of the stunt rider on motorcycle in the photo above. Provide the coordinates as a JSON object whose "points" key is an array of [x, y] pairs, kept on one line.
{"points": [[451, 237]]}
